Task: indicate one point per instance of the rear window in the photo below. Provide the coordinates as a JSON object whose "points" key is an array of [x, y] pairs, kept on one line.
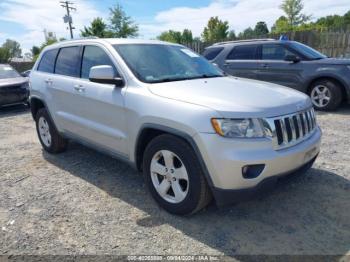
{"points": [[47, 61], [211, 53], [242, 52], [67, 61]]}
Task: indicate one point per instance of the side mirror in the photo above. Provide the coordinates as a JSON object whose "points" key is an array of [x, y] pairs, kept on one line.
{"points": [[292, 58], [104, 74]]}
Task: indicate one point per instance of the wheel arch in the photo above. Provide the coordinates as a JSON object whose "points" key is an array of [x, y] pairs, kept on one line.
{"points": [[150, 131], [36, 104]]}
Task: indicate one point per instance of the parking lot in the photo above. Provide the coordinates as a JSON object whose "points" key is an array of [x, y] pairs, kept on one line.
{"points": [[83, 202]]}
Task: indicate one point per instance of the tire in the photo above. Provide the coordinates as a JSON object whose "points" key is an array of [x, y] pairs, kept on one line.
{"points": [[326, 89], [48, 135], [192, 194]]}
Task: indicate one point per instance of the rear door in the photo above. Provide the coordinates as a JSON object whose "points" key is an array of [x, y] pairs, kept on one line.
{"points": [[272, 66], [241, 61], [62, 96], [100, 107]]}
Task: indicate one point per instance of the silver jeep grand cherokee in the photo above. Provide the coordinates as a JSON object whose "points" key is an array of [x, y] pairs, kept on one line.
{"points": [[193, 131]]}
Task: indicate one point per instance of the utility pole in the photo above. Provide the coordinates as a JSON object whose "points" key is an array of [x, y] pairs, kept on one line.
{"points": [[67, 18]]}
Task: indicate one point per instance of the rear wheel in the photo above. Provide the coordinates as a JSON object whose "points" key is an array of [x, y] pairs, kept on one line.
{"points": [[174, 176], [326, 95], [49, 137]]}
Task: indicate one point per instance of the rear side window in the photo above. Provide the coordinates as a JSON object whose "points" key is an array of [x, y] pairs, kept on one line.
{"points": [[242, 52], [211, 53], [94, 56], [47, 62], [67, 61]]}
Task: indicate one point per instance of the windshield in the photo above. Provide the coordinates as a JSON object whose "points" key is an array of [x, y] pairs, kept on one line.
{"points": [[307, 51], [155, 63], [7, 71]]}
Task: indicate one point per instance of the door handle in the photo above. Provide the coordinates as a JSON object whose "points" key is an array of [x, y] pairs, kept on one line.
{"points": [[79, 88], [264, 65], [48, 81]]}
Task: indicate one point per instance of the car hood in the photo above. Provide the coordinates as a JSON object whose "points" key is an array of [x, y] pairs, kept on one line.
{"points": [[333, 61], [235, 97], [13, 81]]}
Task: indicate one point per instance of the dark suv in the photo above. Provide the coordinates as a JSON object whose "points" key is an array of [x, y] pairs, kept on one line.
{"points": [[288, 63]]}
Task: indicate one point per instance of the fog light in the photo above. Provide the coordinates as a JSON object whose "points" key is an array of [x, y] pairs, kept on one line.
{"points": [[252, 171]]}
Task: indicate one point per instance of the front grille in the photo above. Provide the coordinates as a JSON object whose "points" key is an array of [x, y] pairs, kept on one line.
{"points": [[291, 129]]}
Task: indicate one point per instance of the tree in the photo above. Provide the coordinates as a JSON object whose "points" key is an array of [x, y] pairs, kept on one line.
{"points": [[97, 28], [293, 10], [171, 36], [35, 50], [261, 29], [121, 25], [4, 55], [13, 47], [187, 36], [216, 30], [176, 36], [347, 18], [232, 35], [281, 26], [247, 34]]}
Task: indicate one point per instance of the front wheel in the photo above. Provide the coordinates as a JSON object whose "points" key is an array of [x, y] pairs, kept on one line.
{"points": [[174, 176], [326, 95]]}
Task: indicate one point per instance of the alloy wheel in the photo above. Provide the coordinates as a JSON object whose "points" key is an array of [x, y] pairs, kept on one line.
{"points": [[44, 131], [320, 96], [169, 176]]}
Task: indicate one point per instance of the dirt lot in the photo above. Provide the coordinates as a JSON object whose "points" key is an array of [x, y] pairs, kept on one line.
{"points": [[83, 202]]}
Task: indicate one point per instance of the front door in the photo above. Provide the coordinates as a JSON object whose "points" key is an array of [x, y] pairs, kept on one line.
{"points": [[272, 66], [100, 107]]}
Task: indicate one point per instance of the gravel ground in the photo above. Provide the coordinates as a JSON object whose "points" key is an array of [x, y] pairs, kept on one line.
{"points": [[83, 202]]}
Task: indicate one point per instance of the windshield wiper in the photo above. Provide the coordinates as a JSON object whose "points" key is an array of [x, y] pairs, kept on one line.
{"points": [[168, 79]]}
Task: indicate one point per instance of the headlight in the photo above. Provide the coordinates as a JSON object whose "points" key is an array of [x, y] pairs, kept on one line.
{"points": [[243, 128]]}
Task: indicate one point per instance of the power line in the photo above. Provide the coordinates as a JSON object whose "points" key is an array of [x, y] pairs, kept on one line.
{"points": [[68, 18]]}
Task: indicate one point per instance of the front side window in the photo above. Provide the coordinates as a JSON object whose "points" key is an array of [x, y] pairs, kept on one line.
{"points": [[307, 51], [242, 52], [274, 52], [94, 56], [154, 63], [67, 61], [47, 62], [211, 53], [7, 71]]}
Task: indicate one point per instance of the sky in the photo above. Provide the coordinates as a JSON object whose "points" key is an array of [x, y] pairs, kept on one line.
{"points": [[25, 20]]}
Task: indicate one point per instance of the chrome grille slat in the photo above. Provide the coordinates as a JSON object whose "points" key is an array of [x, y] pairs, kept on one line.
{"points": [[292, 129], [301, 134], [284, 131], [308, 120], [294, 134], [306, 124]]}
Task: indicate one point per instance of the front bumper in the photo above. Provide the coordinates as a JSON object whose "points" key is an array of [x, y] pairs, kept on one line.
{"points": [[225, 158], [229, 196]]}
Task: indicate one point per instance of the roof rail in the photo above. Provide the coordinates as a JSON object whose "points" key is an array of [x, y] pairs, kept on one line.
{"points": [[245, 40], [80, 38]]}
